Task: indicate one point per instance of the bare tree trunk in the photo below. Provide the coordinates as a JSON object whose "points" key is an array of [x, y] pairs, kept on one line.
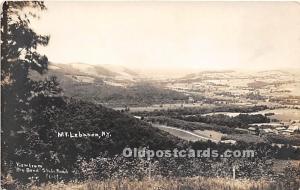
{"points": [[4, 68], [4, 22], [4, 34]]}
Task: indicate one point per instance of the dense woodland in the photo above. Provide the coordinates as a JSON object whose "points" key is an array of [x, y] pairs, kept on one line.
{"points": [[242, 120]]}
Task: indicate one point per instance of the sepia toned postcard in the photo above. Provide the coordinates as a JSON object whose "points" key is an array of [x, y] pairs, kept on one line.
{"points": [[150, 95]]}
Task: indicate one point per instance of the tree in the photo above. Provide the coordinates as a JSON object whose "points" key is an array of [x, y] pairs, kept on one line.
{"points": [[19, 41], [18, 55]]}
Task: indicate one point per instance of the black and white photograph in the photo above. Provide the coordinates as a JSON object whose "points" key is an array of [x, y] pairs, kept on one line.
{"points": [[150, 95]]}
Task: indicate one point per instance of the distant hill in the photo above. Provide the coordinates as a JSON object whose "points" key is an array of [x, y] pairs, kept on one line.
{"points": [[230, 75], [111, 85], [207, 75], [92, 72]]}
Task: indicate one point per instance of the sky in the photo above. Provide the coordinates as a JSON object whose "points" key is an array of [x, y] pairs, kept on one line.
{"points": [[169, 35]]}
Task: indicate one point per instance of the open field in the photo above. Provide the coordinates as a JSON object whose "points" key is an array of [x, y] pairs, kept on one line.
{"points": [[196, 183], [184, 134], [282, 114], [215, 135]]}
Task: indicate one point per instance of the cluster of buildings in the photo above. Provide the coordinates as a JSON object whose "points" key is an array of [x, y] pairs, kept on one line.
{"points": [[284, 128]]}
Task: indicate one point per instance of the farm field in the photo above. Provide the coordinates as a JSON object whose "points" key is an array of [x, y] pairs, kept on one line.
{"points": [[282, 114], [184, 134]]}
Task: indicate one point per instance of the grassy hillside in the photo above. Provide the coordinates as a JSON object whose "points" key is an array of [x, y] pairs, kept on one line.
{"points": [[110, 85]]}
